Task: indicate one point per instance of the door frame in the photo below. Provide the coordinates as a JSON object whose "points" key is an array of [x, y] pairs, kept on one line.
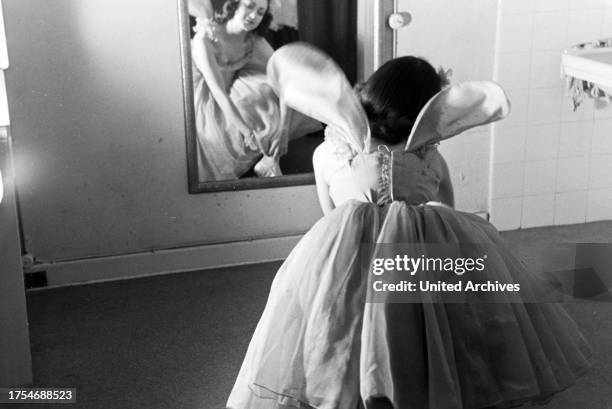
{"points": [[375, 39]]}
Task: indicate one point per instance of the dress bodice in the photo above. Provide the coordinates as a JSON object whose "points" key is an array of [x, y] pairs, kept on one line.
{"points": [[379, 177], [225, 63], [309, 81], [227, 66]]}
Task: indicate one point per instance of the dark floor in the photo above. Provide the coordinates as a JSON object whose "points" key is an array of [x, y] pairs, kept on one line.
{"points": [[299, 155], [177, 341]]}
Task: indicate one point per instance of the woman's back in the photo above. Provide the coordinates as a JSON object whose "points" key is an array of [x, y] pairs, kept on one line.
{"points": [[380, 177]]}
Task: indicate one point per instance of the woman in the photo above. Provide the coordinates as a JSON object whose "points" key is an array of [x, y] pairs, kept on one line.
{"points": [[326, 339], [239, 121], [380, 110]]}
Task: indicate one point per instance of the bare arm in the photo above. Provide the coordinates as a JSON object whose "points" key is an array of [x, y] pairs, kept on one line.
{"points": [[325, 200], [446, 193], [203, 56]]}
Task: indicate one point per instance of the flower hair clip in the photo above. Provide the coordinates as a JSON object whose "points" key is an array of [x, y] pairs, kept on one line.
{"points": [[445, 76]]}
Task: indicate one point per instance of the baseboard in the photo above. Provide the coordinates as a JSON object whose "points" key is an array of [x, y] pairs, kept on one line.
{"points": [[165, 261], [159, 262]]}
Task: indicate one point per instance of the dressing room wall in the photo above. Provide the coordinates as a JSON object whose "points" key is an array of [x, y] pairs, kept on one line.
{"points": [[551, 165], [95, 98]]}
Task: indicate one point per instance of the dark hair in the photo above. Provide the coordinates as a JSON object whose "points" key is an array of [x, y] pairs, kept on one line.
{"points": [[229, 9], [395, 94]]}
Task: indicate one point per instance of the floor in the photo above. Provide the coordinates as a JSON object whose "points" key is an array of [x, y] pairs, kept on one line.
{"points": [[177, 341]]}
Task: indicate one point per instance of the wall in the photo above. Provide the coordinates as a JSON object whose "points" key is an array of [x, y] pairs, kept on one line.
{"points": [[550, 165], [95, 100]]}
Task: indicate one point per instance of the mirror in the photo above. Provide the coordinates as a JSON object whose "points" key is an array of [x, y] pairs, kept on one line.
{"points": [[239, 135]]}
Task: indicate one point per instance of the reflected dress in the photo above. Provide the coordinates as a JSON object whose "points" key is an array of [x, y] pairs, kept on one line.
{"points": [[319, 345], [223, 152]]}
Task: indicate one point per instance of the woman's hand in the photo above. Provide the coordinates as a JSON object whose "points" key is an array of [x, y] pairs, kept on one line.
{"points": [[244, 129]]}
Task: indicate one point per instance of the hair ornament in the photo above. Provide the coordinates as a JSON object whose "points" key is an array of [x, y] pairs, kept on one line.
{"points": [[445, 76]]}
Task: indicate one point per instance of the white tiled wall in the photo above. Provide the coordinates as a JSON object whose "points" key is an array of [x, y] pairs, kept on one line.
{"points": [[550, 165]]}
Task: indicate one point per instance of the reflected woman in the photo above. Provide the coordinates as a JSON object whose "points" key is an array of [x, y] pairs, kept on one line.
{"points": [[237, 114]]}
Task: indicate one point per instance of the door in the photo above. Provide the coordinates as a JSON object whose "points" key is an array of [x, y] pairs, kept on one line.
{"points": [[459, 35]]}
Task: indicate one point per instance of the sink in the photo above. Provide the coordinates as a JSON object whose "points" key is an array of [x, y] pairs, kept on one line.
{"points": [[590, 62]]}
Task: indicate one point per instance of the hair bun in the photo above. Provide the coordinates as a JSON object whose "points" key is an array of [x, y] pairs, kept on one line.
{"points": [[394, 95], [391, 130]]}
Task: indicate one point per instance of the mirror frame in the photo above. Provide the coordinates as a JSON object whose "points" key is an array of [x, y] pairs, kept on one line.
{"points": [[374, 45]]}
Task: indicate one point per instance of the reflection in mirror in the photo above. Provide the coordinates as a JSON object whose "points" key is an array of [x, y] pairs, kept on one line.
{"points": [[239, 134]]}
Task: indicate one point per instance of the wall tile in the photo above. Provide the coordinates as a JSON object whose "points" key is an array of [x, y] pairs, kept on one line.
{"points": [[575, 138], [513, 70], [599, 205], [506, 213], [606, 26], [479, 138], [572, 174], [544, 105], [509, 145], [584, 112], [600, 172], [538, 211], [550, 5], [564, 156], [587, 4], [516, 6], [570, 207], [602, 137], [507, 180], [515, 33], [542, 141], [584, 25], [545, 70], [550, 31], [540, 177], [605, 110]]}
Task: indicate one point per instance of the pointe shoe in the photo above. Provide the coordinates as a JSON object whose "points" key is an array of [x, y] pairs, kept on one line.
{"points": [[267, 167]]}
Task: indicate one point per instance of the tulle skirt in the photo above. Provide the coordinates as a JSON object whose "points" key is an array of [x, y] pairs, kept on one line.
{"points": [[319, 345]]}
